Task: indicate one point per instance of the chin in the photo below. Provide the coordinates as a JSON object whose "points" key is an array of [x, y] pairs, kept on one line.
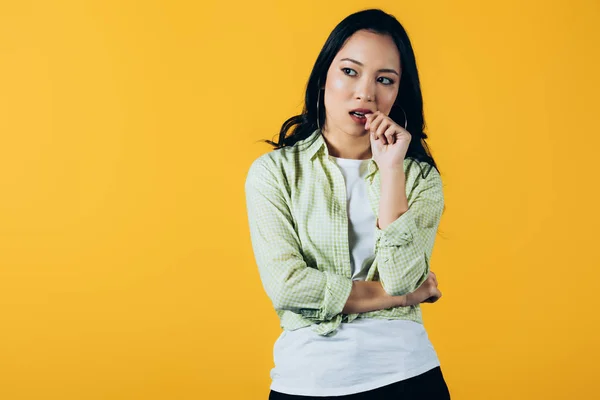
{"points": [[356, 130]]}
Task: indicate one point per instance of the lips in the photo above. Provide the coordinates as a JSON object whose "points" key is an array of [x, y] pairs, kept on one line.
{"points": [[361, 112]]}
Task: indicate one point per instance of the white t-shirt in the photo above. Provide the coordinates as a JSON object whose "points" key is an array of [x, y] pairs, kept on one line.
{"points": [[362, 355]]}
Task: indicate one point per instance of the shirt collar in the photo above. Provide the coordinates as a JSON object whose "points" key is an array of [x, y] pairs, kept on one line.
{"points": [[372, 168], [319, 146], [316, 145]]}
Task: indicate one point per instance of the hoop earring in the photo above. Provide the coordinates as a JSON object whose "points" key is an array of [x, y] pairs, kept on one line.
{"points": [[403, 112], [318, 111]]}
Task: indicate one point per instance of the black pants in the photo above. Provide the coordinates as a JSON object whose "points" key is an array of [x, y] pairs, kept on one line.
{"points": [[427, 386]]}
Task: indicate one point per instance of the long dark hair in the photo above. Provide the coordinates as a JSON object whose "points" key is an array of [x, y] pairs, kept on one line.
{"points": [[409, 96]]}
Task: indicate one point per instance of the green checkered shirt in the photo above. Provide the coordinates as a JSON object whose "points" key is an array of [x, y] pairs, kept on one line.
{"points": [[296, 203]]}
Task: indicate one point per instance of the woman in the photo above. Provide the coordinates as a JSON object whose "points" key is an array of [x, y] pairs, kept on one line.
{"points": [[343, 215]]}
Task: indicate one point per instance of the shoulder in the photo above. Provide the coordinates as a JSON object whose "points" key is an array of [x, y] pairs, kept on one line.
{"points": [[421, 174], [269, 164], [261, 169], [279, 163]]}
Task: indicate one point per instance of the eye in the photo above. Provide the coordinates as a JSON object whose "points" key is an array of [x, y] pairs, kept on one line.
{"points": [[388, 81], [348, 70]]}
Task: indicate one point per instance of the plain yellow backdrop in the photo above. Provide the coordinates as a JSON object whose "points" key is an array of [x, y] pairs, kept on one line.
{"points": [[126, 131]]}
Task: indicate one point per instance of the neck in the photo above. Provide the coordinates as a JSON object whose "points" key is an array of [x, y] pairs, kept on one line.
{"points": [[343, 145]]}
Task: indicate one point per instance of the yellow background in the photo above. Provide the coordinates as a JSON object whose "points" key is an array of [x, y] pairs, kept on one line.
{"points": [[126, 131]]}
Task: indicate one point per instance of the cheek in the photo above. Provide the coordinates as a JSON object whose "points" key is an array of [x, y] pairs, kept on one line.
{"points": [[386, 101], [338, 86], [336, 92]]}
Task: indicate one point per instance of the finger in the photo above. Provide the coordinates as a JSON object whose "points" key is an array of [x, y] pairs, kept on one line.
{"points": [[431, 299], [379, 132], [390, 134], [434, 297], [430, 278], [382, 127], [369, 118], [433, 276], [373, 137], [375, 124]]}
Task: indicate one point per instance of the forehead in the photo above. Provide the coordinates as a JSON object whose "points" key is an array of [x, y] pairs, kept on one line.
{"points": [[371, 49]]}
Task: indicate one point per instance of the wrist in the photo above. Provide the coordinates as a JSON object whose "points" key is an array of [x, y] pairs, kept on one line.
{"points": [[399, 301], [408, 298], [391, 170]]}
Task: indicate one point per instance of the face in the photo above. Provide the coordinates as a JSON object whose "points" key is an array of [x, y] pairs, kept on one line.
{"points": [[365, 74]]}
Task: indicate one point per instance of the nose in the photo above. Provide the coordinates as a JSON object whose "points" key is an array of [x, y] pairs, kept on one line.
{"points": [[365, 90]]}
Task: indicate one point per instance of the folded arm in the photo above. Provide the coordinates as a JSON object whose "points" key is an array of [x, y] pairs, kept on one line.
{"points": [[289, 282], [406, 229]]}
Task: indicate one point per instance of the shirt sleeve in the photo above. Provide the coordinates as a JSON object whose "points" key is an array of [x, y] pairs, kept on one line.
{"points": [[404, 248], [288, 281]]}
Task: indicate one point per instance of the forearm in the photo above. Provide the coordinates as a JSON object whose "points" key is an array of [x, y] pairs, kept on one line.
{"points": [[405, 235], [370, 296], [393, 202]]}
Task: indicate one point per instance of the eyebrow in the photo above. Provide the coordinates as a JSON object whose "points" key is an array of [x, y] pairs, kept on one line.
{"points": [[393, 71]]}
